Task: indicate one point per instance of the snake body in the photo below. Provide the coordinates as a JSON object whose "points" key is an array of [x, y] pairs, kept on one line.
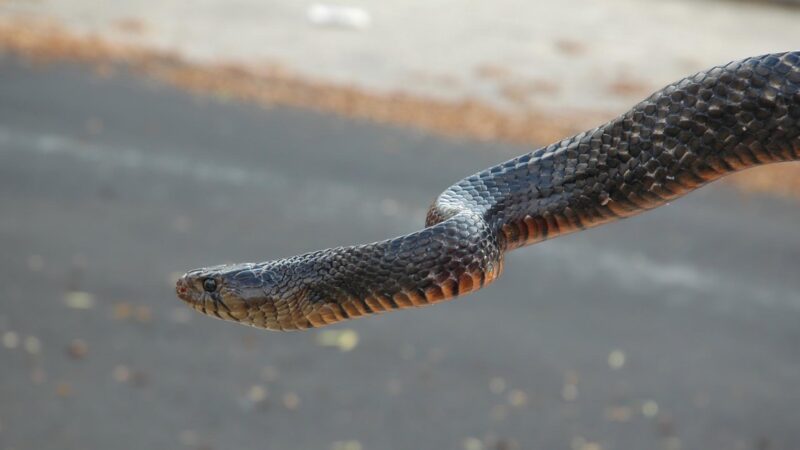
{"points": [[694, 131]]}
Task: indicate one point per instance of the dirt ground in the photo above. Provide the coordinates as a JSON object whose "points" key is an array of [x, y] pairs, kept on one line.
{"points": [[272, 84]]}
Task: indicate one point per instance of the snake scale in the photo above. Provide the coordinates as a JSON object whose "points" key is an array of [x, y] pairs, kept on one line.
{"points": [[694, 131]]}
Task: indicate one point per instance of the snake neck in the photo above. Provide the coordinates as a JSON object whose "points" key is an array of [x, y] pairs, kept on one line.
{"points": [[454, 257], [692, 132]]}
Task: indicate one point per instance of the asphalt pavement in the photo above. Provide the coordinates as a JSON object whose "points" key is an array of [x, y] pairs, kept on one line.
{"points": [[677, 329]]}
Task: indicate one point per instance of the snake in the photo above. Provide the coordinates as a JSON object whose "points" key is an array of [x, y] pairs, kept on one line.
{"points": [[728, 118]]}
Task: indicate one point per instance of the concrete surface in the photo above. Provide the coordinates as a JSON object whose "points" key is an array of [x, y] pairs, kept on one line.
{"points": [[565, 57], [676, 329]]}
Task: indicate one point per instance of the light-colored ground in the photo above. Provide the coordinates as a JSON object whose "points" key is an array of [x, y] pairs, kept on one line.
{"points": [[511, 70], [565, 56]]}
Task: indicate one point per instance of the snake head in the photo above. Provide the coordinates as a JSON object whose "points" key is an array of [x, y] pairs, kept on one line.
{"points": [[245, 293], [275, 295]]}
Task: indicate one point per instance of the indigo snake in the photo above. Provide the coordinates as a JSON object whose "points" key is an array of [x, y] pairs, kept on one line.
{"points": [[694, 131]]}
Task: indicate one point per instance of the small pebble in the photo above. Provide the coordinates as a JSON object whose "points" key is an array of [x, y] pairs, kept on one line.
{"points": [[345, 339], [569, 392], [291, 401], [616, 359], [32, 345], [649, 409], [122, 311], [579, 443], [619, 414], [121, 374], [348, 340], [254, 397], [79, 300], [257, 393], [63, 389], [472, 443], [346, 445], [505, 444], [143, 314], [78, 349], [10, 340], [674, 443], [517, 398]]}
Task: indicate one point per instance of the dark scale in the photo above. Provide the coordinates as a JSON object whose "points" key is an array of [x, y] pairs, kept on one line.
{"points": [[690, 133]]}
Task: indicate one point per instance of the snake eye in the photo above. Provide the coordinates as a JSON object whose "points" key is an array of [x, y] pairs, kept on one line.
{"points": [[209, 285]]}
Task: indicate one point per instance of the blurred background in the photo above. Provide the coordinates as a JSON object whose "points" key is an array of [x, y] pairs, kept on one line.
{"points": [[143, 138]]}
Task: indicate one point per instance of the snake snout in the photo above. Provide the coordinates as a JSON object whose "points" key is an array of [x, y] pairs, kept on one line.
{"points": [[183, 289], [208, 291]]}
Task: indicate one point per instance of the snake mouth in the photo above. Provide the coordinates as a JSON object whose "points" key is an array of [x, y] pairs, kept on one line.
{"points": [[184, 291]]}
